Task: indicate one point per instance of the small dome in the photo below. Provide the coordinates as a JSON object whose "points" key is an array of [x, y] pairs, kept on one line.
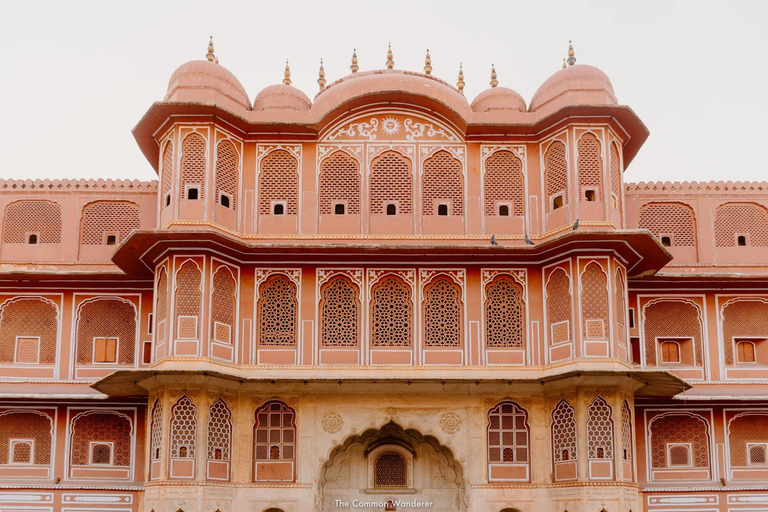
{"points": [[281, 96], [498, 98], [201, 81], [574, 85]]}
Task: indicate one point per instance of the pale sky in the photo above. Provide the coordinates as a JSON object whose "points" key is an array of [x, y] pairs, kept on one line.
{"points": [[77, 76]]}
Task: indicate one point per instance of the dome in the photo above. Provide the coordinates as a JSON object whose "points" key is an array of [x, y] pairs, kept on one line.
{"points": [[498, 98], [574, 85], [201, 81], [281, 96]]}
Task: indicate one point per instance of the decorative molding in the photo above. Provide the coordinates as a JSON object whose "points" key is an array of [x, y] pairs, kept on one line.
{"points": [[388, 127], [263, 150], [458, 276], [450, 422], [375, 150], [416, 130], [355, 275], [332, 423], [428, 150], [326, 150], [518, 150], [262, 274]]}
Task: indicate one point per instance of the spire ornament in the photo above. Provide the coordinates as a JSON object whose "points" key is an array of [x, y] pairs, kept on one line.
{"points": [[210, 56], [390, 62], [494, 81], [321, 76], [571, 54], [428, 64], [564, 65], [460, 84], [287, 74], [354, 67]]}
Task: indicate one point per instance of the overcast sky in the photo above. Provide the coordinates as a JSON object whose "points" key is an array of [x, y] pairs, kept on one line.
{"points": [[77, 76]]}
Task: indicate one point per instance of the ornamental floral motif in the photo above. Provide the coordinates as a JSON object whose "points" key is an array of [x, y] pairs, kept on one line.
{"points": [[332, 423], [450, 422], [390, 125]]}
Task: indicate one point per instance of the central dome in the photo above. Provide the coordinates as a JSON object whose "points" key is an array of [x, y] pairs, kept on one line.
{"points": [[281, 96], [498, 98], [202, 81], [574, 85]]}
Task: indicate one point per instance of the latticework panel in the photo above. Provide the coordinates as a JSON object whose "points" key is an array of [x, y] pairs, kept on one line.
{"points": [[564, 432], [106, 318], [508, 433], [391, 313], [590, 165], [615, 163], [679, 428], [279, 181], [183, 428], [671, 319], [42, 218], [219, 431], [223, 306], [746, 219], [188, 299], [101, 427], [390, 471], [503, 182], [193, 164], [339, 181], [227, 176], [26, 425], [22, 453], [556, 171], [620, 309], [442, 179], [442, 314], [672, 219], [391, 181], [339, 313], [167, 172], [626, 432], [278, 312], [156, 431], [275, 432], [28, 317], [504, 314], [559, 308], [114, 217], [599, 430], [161, 307], [743, 430], [594, 302], [743, 318]]}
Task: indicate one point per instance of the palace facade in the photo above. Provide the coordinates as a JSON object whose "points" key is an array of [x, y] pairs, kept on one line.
{"points": [[382, 298]]}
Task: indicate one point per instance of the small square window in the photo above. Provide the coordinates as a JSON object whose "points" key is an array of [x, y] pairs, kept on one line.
{"points": [[741, 241], [105, 350], [678, 455], [224, 200], [442, 210], [168, 200], [590, 196], [758, 455], [745, 352], [391, 209], [338, 209], [504, 210], [670, 352], [666, 241], [278, 209], [557, 202], [193, 193], [111, 239], [32, 239]]}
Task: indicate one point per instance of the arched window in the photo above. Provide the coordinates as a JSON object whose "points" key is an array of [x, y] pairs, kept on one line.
{"points": [[192, 167], [219, 431], [564, 432], [28, 331], [391, 313], [156, 431], [508, 434], [675, 221], [748, 439], [339, 182], [626, 432], [748, 220], [391, 183], [223, 306], [279, 182], [670, 352], [442, 181], [227, 176], [161, 308], [188, 298], [599, 430], [108, 218], [101, 438], [25, 437], [556, 176], [390, 471], [675, 435], [590, 168], [559, 312], [442, 314], [504, 314], [503, 182], [679, 319], [106, 332], [23, 218], [183, 428], [615, 162], [744, 318], [275, 432], [339, 313], [278, 312], [594, 302], [621, 311], [167, 174]]}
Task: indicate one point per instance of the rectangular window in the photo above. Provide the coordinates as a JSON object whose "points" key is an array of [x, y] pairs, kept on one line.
{"points": [[631, 318], [678, 455], [146, 355], [757, 454], [150, 322], [22, 451], [27, 350], [104, 350], [101, 453]]}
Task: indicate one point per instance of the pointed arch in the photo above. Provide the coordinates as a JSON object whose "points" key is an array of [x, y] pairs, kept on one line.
{"points": [[442, 180], [594, 302], [339, 181], [188, 300], [278, 308], [339, 313], [599, 429], [556, 174], [590, 166], [193, 163], [223, 306]]}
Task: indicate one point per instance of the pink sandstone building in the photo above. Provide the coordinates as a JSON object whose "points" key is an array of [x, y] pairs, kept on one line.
{"points": [[381, 298]]}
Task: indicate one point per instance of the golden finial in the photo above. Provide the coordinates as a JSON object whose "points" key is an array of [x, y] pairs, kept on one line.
{"points": [[571, 54], [321, 76], [390, 62], [428, 64], [210, 56], [287, 74], [564, 66], [354, 67], [460, 84], [494, 81]]}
